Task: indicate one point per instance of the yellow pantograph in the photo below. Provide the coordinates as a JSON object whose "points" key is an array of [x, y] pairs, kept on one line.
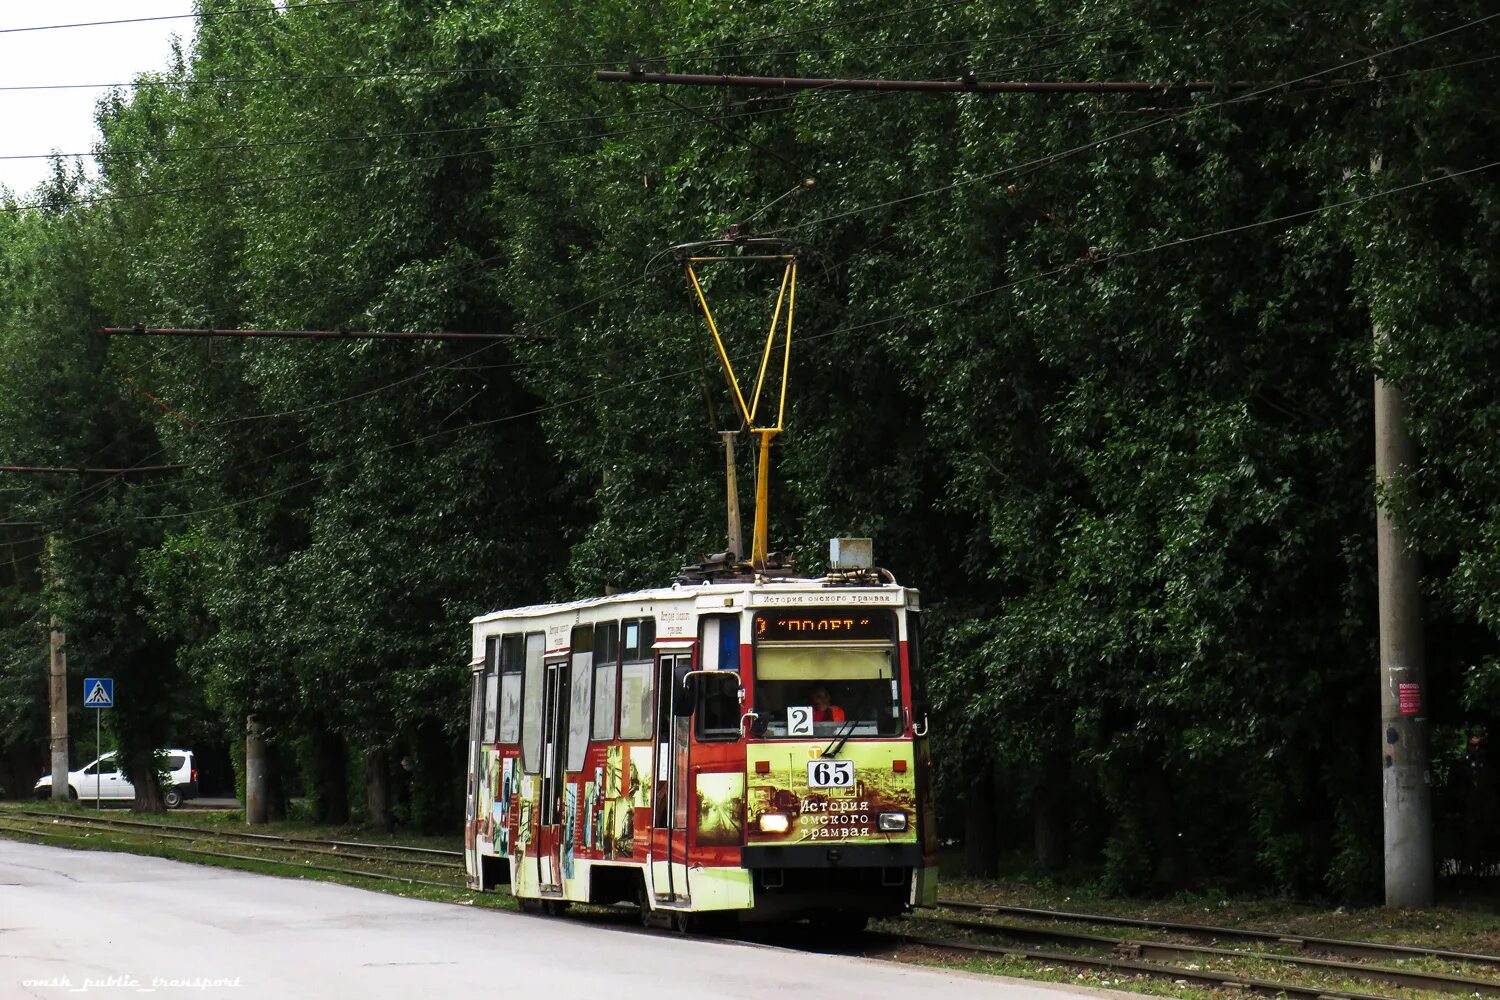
{"points": [[786, 303]]}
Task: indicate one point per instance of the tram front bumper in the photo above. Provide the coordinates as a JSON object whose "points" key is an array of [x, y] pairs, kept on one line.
{"points": [[833, 856], [802, 880]]}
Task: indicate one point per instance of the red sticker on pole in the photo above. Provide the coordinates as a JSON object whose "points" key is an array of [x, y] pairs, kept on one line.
{"points": [[1410, 698]]}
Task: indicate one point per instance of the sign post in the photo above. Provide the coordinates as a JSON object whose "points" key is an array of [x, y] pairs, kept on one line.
{"points": [[98, 692]]}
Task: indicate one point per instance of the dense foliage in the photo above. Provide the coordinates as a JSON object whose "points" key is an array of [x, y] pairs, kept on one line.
{"points": [[1093, 370]]}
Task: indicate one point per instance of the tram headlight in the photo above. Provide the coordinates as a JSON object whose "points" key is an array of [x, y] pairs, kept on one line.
{"points": [[774, 823], [892, 822]]}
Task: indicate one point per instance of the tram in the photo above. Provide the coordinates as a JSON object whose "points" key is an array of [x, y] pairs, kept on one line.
{"points": [[748, 747]]}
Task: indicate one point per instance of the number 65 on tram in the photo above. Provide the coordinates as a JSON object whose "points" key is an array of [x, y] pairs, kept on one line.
{"points": [[730, 748]]}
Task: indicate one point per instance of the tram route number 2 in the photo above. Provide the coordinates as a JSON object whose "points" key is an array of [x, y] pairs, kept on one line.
{"points": [[799, 720], [830, 774]]}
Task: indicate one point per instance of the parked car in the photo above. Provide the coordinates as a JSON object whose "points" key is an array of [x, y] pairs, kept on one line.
{"points": [[102, 780]]}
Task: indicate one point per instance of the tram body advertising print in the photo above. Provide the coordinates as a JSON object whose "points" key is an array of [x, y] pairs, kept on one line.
{"points": [[667, 747], [830, 801]]}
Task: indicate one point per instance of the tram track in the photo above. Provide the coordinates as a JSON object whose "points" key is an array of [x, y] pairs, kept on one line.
{"points": [[356, 850], [1327, 945], [167, 832], [1137, 954], [1103, 963]]}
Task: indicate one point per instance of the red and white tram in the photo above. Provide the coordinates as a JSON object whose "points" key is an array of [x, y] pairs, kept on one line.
{"points": [[754, 747]]}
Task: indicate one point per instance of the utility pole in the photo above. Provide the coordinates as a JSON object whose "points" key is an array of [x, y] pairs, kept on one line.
{"points": [[1405, 775], [731, 480], [257, 805], [58, 691]]}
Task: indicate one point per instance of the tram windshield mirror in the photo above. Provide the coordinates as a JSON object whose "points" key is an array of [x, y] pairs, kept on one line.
{"points": [[863, 696]]}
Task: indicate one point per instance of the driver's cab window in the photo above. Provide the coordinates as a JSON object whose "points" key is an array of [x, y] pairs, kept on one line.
{"points": [[823, 673]]}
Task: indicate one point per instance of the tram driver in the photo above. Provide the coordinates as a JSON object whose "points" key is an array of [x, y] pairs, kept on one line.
{"points": [[824, 710]]}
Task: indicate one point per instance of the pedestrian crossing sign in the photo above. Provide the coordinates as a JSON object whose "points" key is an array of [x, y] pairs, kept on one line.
{"points": [[98, 692]]}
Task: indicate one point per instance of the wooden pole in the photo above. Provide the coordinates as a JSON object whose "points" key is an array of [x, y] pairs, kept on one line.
{"points": [[736, 534]]}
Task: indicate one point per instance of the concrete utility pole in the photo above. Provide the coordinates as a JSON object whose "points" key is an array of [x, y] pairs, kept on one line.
{"points": [[58, 690], [1405, 777], [1406, 780], [1403, 670], [732, 486], [257, 805]]}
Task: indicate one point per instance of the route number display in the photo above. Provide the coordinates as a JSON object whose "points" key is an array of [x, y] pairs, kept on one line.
{"points": [[830, 774], [799, 720]]}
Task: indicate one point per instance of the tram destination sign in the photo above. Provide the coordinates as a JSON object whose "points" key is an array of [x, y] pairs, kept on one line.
{"points": [[822, 625]]}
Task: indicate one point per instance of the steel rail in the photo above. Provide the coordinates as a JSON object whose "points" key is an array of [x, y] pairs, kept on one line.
{"points": [[1265, 987], [1137, 949], [26, 831], [1339, 946], [108, 826], [348, 847], [162, 831]]}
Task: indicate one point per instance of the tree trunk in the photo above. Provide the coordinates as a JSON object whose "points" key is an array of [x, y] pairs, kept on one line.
{"points": [[330, 778], [140, 768], [275, 785], [1156, 787], [1051, 815], [438, 779], [981, 846], [378, 790]]}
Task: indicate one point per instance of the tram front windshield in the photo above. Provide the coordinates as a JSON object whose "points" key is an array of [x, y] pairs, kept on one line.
{"points": [[825, 688]]}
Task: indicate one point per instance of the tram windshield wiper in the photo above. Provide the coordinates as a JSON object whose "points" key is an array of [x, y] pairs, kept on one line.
{"points": [[840, 738]]}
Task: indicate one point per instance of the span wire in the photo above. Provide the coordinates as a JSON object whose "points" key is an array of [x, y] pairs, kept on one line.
{"points": [[1428, 38], [1094, 144], [881, 321], [274, 8]]}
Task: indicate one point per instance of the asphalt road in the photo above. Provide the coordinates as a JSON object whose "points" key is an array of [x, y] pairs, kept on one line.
{"points": [[117, 925]]}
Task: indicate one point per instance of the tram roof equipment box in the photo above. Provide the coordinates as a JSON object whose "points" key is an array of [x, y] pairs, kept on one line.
{"points": [[851, 553]]}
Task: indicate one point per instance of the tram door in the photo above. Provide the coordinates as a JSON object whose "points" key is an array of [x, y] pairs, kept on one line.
{"points": [[555, 691], [669, 806]]}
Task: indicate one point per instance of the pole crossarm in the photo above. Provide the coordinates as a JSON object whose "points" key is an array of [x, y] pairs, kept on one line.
{"points": [[967, 85], [150, 331], [90, 471]]}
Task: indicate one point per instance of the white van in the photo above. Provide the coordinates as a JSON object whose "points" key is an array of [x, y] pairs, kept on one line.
{"points": [[101, 780]]}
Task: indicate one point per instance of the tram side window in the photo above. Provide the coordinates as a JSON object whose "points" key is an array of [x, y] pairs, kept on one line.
{"points": [[476, 711], [580, 695], [511, 662], [718, 696], [635, 701], [637, 637], [490, 690], [606, 673], [531, 704]]}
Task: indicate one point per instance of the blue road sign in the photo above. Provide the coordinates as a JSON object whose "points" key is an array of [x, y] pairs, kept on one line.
{"points": [[98, 692]]}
